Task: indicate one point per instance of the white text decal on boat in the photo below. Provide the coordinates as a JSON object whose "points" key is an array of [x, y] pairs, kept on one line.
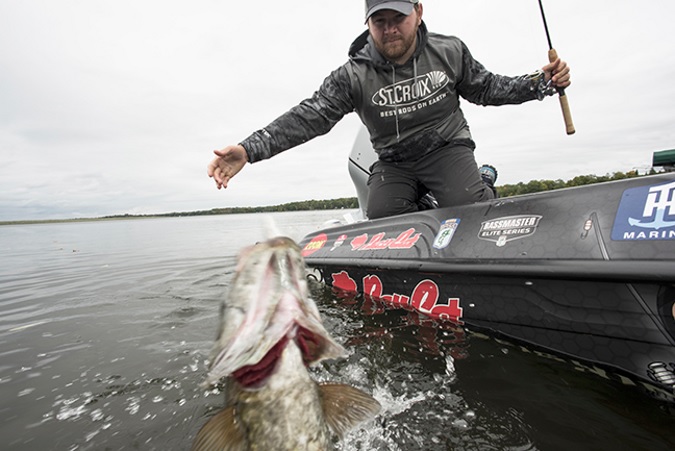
{"points": [[646, 213]]}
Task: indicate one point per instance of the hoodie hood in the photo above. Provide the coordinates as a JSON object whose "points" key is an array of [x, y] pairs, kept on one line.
{"points": [[363, 48]]}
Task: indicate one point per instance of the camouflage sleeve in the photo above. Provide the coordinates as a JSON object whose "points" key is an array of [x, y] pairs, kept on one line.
{"points": [[312, 117], [482, 87]]}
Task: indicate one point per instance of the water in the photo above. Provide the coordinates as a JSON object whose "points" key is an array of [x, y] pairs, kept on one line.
{"points": [[105, 327]]}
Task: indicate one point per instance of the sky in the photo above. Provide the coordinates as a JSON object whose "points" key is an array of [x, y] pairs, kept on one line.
{"points": [[112, 107]]}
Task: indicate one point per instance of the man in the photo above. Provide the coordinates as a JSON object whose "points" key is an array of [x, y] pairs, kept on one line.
{"points": [[404, 83]]}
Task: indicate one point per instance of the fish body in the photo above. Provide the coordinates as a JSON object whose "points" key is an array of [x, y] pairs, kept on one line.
{"points": [[270, 332]]}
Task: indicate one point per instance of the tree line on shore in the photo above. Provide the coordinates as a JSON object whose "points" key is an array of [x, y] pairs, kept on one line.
{"points": [[330, 204], [533, 186]]}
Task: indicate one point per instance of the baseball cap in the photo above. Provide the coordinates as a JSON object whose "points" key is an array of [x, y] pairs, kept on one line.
{"points": [[402, 6]]}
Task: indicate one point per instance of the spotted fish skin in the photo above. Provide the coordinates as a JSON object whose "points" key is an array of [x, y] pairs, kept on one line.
{"points": [[270, 332]]}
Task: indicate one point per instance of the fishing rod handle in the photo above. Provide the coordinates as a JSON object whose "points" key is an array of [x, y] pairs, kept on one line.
{"points": [[564, 103]]}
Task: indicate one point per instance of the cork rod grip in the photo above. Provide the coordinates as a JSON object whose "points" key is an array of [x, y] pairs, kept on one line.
{"points": [[564, 103]]}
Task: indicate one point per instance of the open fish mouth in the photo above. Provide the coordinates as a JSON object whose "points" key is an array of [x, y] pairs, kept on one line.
{"points": [[255, 376], [268, 307]]}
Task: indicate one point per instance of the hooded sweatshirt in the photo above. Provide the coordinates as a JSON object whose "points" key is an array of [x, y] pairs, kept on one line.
{"points": [[409, 110]]}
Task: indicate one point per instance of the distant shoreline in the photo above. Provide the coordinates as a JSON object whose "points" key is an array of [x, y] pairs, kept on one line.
{"points": [[332, 204], [532, 186]]}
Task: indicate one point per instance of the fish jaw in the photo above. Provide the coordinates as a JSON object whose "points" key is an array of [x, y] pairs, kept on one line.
{"points": [[268, 304], [290, 412], [270, 331]]}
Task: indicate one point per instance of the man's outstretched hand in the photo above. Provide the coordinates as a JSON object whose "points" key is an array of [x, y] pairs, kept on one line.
{"points": [[228, 162]]}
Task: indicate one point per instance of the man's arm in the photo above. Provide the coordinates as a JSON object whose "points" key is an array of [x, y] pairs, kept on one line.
{"points": [[313, 117], [482, 87]]}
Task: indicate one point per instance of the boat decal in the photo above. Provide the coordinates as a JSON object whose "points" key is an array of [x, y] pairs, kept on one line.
{"points": [[445, 233], [646, 213], [343, 281], [508, 228], [588, 226], [405, 240], [339, 242], [425, 296], [315, 244], [662, 373]]}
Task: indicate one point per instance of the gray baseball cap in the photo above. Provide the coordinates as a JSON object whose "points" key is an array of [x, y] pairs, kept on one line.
{"points": [[402, 6]]}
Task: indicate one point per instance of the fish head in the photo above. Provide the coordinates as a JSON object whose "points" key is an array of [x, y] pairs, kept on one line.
{"points": [[267, 307]]}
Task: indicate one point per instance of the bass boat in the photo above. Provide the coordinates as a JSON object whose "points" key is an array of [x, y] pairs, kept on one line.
{"points": [[586, 273]]}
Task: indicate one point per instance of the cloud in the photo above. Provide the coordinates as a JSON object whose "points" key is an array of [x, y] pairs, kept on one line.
{"points": [[115, 107]]}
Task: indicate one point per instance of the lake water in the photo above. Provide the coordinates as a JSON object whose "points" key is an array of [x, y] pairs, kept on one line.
{"points": [[105, 328]]}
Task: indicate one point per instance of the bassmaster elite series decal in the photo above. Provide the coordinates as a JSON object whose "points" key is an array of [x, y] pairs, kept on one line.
{"points": [[405, 240], [445, 233], [508, 228], [646, 213]]}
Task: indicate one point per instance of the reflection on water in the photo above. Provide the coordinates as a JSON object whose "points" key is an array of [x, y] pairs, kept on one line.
{"points": [[105, 328]]}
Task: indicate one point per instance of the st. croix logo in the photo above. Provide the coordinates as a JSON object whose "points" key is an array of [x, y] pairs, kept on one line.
{"points": [[411, 91]]}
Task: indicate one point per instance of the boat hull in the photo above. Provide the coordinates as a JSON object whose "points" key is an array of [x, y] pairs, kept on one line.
{"points": [[587, 273]]}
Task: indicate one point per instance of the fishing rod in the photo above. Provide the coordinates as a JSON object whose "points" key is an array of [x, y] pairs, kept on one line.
{"points": [[552, 56]]}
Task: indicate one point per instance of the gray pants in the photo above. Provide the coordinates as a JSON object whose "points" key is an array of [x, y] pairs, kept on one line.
{"points": [[449, 173]]}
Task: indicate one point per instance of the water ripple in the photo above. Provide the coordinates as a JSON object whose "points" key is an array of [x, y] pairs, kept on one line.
{"points": [[105, 328]]}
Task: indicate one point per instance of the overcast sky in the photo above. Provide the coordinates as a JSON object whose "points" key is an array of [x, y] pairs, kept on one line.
{"points": [[113, 107]]}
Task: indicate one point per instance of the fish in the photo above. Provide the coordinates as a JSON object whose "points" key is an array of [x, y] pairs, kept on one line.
{"points": [[270, 333]]}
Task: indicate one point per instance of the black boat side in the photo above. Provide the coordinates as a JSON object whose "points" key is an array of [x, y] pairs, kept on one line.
{"points": [[587, 272]]}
